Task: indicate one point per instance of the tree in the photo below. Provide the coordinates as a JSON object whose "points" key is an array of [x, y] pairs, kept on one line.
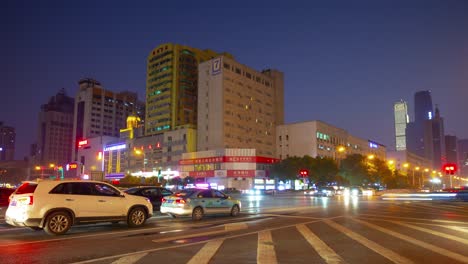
{"points": [[323, 171], [354, 169], [128, 179]]}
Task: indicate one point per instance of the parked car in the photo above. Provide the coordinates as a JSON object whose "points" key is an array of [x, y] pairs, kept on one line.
{"points": [[5, 195], [153, 193], [199, 202], [57, 205]]}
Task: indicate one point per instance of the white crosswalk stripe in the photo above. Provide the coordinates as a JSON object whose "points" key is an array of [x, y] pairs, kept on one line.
{"points": [[130, 259], [422, 244], [265, 249], [387, 253], [206, 253], [322, 249], [432, 232]]}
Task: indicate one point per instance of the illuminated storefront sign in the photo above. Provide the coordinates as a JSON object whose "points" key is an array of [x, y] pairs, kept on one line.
{"points": [[246, 159], [82, 143], [115, 147], [71, 166]]}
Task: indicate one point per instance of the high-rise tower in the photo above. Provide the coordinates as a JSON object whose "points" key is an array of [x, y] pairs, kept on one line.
{"points": [[56, 129], [7, 142], [172, 86], [438, 140], [100, 112], [239, 107], [400, 110], [423, 106]]}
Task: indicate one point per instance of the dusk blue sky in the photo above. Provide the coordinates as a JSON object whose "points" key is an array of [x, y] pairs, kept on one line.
{"points": [[345, 62]]}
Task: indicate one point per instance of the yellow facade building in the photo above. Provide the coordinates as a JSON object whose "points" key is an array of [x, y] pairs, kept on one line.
{"points": [[171, 87]]}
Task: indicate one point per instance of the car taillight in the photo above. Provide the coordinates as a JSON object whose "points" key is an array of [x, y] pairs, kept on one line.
{"points": [[180, 201], [27, 200]]}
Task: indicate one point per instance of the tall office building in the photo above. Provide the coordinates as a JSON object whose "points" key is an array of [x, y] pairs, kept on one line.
{"points": [[7, 142], [171, 87], [100, 112], [451, 149], [423, 109], [438, 140], [425, 136], [238, 107], [463, 156], [400, 110], [55, 131]]}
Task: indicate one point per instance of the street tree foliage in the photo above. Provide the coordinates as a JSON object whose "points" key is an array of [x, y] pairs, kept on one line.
{"points": [[323, 171], [355, 169]]}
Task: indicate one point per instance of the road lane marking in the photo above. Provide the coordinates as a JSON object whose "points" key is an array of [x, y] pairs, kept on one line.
{"points": [[292, 216], [386, 253], [416, 242], [227, 228], [406, 221], [235, 226], [82, 236], [130, 259], [266, 250], [420, 219], [78, 236], [457, 228], [432, 232], [407, 210], [206, 253], [186, 245], [425, 207], [325, 252]]}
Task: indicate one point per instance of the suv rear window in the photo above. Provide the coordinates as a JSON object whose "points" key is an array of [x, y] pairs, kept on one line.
{"points": [[26, 187]]}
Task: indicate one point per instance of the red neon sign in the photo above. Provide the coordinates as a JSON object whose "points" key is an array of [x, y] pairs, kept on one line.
{"points": [[82, 142]]}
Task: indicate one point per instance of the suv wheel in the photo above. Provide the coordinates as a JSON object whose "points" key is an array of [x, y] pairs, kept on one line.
{"points": [[57, 223], [136, 217], [197, 214]]}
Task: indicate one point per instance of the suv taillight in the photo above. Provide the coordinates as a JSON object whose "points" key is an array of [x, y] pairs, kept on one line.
{"points": [[26, 200]]}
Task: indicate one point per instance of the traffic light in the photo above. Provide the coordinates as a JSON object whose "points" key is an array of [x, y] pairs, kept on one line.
{"points": [[304, 173], [450, 168]]}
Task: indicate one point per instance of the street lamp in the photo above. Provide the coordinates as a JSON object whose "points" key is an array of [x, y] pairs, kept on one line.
{"points": [[371, 156]]}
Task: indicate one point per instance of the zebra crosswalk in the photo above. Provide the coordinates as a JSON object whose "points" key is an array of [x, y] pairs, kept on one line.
{"points": [[346, 239]]}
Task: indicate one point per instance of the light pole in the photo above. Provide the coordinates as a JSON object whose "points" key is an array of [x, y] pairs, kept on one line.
{"points": [[417, 169], [406, 165], [41, 169], [140, 152]]}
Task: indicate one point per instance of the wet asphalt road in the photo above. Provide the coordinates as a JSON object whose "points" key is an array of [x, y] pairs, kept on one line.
{"points": [[290, 228]]}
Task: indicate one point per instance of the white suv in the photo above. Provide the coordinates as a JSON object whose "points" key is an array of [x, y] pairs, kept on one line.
{"points": [[57, 205]]}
